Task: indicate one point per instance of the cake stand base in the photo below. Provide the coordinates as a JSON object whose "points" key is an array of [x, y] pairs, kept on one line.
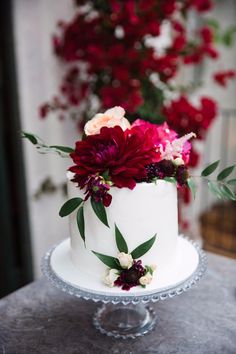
{"points": [[124, 321], [125, 314]]}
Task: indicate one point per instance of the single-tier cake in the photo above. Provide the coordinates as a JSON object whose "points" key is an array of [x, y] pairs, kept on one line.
{"points": [[148, 209], [123, 199]]}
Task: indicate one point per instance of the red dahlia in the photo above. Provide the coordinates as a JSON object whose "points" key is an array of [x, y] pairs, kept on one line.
{"points": [[124, 154]]}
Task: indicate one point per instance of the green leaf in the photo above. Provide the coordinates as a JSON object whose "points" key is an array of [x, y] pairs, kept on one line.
{"points": [[65, 149], [143, 248], [215, 189], [225, 173], [80, 222], [120, 241], [70, 206], [109, 261], [170, 179], [100, 211], [31, 137], [227, 193], [210, 169], [149, 269], [192, 187], [232, 182]]}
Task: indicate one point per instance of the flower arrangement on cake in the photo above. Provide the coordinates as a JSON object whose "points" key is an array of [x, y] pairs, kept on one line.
{"points": [[118, 166]]}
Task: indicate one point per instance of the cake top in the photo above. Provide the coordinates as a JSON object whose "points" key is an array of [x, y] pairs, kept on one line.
{"points": [[115, 153]]}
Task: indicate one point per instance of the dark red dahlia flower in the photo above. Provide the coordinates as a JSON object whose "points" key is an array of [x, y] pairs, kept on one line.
{"points": [[121, 154], [130, 277]]}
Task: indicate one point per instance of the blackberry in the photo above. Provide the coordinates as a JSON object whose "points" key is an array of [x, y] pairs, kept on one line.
{"points": [[162, 169]]}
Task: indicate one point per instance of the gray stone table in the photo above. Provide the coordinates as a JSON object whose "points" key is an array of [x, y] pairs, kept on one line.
{"points": [[41, 319]]}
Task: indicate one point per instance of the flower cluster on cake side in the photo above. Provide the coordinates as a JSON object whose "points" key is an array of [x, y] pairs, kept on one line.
{"points": [[114, 153]]}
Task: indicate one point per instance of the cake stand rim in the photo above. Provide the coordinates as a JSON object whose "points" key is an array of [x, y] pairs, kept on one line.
{"points": [[115, 298]]}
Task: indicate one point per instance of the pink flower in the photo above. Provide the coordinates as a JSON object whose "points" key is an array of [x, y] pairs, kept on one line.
{"points": [[111, 118]]}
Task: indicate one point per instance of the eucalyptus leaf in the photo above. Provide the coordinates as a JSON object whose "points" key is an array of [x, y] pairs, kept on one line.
{"points": [[215, 189], [120, 241], [65, 149], [31, 137], [210, 169], [143, 248], [70, 206], [228, 193], [100, 211], [232, 182], [109, 261], [225, 173], [80, 222], [192, 187]]}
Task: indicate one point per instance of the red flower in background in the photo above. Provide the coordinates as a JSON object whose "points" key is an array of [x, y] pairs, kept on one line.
{"points": [[184, 117], [222, 77], [124, 154]]}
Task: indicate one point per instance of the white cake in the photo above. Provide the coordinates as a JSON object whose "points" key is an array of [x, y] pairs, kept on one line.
{"points": [[148, 209]]}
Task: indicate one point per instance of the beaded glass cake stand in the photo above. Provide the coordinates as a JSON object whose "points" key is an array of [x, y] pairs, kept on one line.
{"points": [[126, 314]]}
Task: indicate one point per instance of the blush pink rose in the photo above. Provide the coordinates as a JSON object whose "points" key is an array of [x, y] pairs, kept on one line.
{"points": [[111, 118]]}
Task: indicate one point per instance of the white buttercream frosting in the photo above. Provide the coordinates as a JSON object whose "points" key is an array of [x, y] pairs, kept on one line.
{"points": [[148, 209]]}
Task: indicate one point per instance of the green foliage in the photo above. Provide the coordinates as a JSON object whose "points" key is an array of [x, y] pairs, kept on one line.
{"points": [[31, 137], [210, 169], [42, 148], [80, 222], [153, 103], [120, 241], [109, 261], [223, 37], [143, 248], [69, 206], [220, 187], [65, 149], [225, 173], [100, 211], [192, 186]]}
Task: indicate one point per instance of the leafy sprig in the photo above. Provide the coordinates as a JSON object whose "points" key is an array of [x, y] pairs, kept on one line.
{"points": [[122, 246], [43, 148], [220, 186]]}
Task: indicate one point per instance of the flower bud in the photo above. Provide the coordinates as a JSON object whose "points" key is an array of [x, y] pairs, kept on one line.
{"points": [[178, 161], [110, 277], [125, 259], [146, 279]]}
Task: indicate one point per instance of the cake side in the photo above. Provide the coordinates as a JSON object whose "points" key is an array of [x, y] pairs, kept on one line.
{"points": [[148, 209]]}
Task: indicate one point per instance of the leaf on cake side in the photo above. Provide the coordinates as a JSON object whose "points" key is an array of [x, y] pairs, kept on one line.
{"points": [[69, 206], [120, 241], [143, 248], [109, 261], [80, 222], [100, 211]]}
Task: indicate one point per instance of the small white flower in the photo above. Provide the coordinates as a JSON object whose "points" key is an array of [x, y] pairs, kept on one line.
{"points": [[125, 260], [110, 277], [146, 279], [178, 161]]}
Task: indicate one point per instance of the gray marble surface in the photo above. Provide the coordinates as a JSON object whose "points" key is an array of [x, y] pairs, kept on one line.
{"points": [[41, 319]]}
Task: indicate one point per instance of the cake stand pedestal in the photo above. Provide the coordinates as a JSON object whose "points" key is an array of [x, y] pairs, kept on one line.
{"points": [[123, 314]]}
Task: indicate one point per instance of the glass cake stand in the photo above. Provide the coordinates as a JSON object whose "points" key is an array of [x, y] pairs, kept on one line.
{"points": [[124, 315]]}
